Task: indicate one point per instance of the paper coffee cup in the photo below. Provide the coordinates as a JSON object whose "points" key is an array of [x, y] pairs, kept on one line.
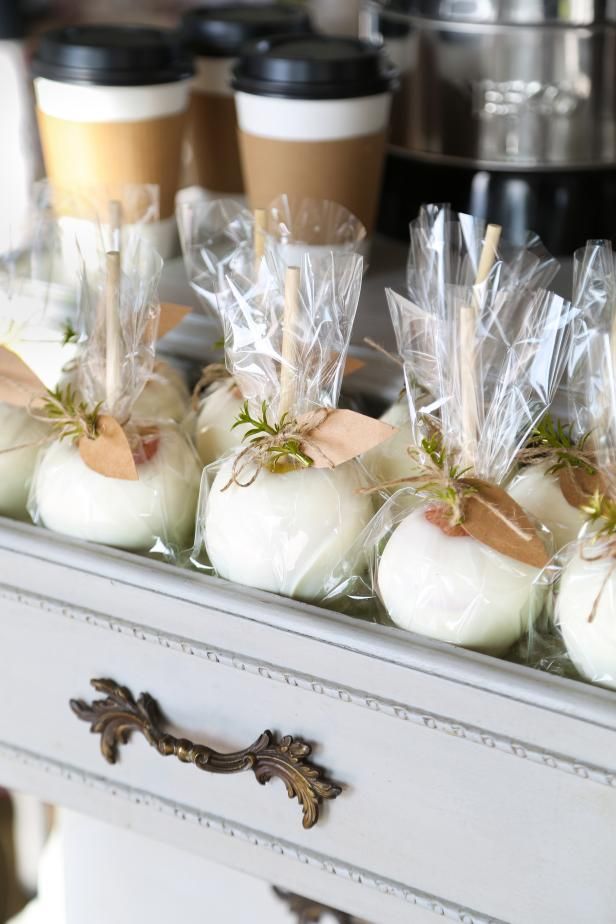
{"points": [[216, 36], [313, 115], [112, 104]]}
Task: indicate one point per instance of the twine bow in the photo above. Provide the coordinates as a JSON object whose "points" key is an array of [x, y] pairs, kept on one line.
{"points": [[464, 504], [554, 442], [284, 443]]}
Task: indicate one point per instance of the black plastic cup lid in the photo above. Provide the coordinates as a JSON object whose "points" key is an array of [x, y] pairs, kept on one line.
{"points": [[107, 55], [223, 31], [314, 67], [11, 21]]}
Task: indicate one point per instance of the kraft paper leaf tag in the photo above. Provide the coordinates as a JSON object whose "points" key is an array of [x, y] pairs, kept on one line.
{"points": [[492, 517], [110, 453], [170, 317], [343, 435], [578, 485], [18, 383]]}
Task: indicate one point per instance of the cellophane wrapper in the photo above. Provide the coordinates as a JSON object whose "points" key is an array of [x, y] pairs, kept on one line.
{"points": [[444, 259], [217, 240], [285, 530], [445, 250], [73, 227], [577, 637], [454, 588], [154, 514], [297, 225], [32, 318]]}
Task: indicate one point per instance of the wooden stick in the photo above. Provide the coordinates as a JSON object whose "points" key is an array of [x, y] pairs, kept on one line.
{"points": [[289, 333], [260, 216], [468, 349], [488, 253], [113, 331], [115, 224]]}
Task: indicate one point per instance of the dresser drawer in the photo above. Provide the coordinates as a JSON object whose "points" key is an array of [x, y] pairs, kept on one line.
{"points": [[472, 789]]}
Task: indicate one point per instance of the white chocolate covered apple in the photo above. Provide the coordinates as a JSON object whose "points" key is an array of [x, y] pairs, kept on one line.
{"points": [[17, 428], [164, 397], [287, 531], [591, 643], [539, 493], [218, 411], [454, 588], [390, 460], [70, 498]]}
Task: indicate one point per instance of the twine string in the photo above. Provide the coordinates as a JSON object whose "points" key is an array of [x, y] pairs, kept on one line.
{"points": [[258, 454]]}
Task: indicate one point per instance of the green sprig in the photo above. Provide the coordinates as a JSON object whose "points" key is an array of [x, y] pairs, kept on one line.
{"points": [[451, 491], [601, 512], [70, 418], [262, 430], [558, 438], [69, 334]]}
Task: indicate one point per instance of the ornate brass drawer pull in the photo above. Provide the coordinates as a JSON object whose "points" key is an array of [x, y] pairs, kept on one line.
{"points": [[115, 717]]}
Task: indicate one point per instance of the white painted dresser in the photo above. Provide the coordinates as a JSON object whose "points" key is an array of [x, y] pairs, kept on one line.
{"points": [[471, 790]]}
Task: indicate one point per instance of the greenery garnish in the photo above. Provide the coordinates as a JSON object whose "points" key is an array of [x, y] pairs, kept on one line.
{"points": [[70, 418], [449, 489], [262, 432], [69, 334], [557, 439], [601, 512]]}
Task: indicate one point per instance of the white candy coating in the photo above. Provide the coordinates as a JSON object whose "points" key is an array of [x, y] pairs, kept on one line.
{"points": [[454, 588], [17, 428], [286, 532], [539, 494], [390, 460], [217, 414], [165, 396], [591, 644], [73, 499]]}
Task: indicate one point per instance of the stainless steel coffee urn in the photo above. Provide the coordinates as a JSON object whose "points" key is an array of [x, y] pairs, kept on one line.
{"points": [[507, 108]]}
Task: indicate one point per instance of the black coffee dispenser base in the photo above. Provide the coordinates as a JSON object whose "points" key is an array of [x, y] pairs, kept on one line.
{"points": [[565, 207]]}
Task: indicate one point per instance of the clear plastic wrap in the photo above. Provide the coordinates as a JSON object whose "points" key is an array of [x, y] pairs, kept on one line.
{"points": [[295, 226], [217, 239], [269, 516], [109, 476], [165, 394], [30, 329], [583, 575], [460, 566], [444, 258], [21, 438], [220, 240], [221, 237], [74, 227], [561, 470], [446, 249]]}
